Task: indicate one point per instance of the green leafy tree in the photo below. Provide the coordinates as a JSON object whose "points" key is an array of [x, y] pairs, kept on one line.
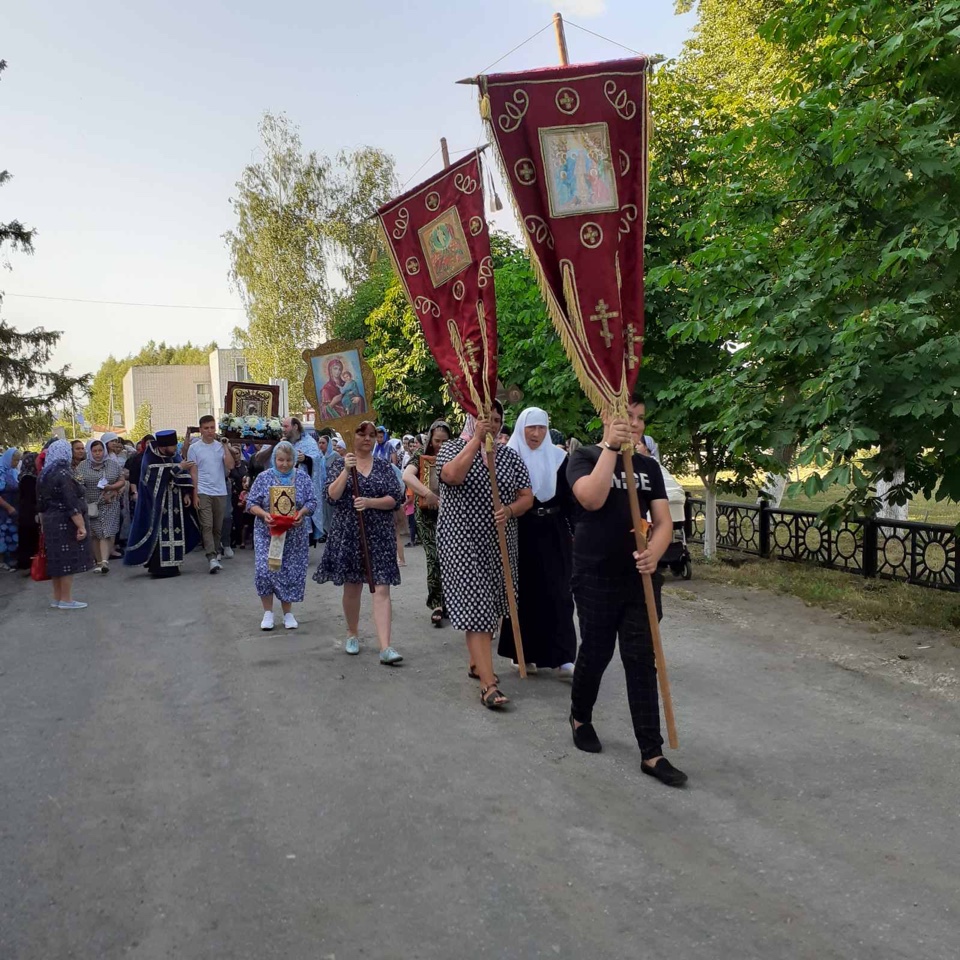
{"points": [[531, 354], [724, 76], [144, 422], [843, 239], [302, 220], [28, 390], [411, 393]]}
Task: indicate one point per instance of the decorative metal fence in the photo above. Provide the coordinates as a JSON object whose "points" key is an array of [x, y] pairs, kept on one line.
{"points": [[920, 553]]}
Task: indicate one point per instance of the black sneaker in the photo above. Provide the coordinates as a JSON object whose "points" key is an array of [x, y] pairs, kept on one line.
{"points": [[585, 737], [665, 772]]}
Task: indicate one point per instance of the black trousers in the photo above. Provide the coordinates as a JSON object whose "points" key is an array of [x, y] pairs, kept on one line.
{"points": [[612, 608]]}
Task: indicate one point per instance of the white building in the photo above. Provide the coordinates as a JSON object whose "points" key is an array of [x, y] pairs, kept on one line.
{"points": [[180, 395]]}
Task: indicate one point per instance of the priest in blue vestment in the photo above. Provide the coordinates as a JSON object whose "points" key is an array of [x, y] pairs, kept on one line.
{"points": [[165, 526]]}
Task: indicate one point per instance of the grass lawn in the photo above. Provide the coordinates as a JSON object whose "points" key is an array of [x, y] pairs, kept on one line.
{"points": [[882, 601]]}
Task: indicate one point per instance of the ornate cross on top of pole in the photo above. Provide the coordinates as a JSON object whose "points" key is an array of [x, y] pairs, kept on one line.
{"points": [[602, 316], [632, 341]]}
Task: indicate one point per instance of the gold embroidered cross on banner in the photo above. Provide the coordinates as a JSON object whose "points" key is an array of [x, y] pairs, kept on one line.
{"points": [[632, 341], [472, 350], [603, 315], [455, 391]]}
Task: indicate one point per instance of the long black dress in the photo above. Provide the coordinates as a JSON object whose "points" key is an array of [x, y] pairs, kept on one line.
{"points": [[545, 605]]}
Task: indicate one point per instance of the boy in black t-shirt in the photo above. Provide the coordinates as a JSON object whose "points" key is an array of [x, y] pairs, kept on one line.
{"points": [[608, 590]]}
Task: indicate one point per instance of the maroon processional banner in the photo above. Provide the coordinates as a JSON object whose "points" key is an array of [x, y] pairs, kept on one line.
{"points": [[573, 146], [438, 238]]}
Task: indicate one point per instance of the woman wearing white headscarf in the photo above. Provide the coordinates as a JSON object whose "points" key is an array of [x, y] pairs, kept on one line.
{"points": [[545, 604]]}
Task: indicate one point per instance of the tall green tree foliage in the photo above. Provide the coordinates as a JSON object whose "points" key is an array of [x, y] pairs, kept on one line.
{"points": [[410, 391], [28, 390], [843, 238], [301, 222], [724, 75]]}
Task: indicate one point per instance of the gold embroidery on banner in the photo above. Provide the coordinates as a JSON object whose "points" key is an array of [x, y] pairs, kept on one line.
{"points": [[465, 364], [538, 229], [567, 100], [619, 100], [485, 274], [482, 318], [624, 163], [602, 316], [630, 214], [591, 235], [525, 171], [432, 200], [465, 184], [632, 341], [426, 305], [455, 392], [401, 224], [459, 290], [413, 266], [472, 350], [572, 295], [476, 225], [514, 112]]}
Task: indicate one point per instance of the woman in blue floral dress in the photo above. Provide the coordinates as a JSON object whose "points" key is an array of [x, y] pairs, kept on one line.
{"points": [[286, 584], [342, 562]]}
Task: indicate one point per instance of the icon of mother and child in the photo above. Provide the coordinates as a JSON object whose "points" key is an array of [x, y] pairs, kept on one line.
{"points": [[342, 395]]}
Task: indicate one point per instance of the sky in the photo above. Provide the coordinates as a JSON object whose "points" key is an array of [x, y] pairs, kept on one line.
{"points": [[126, 125]]}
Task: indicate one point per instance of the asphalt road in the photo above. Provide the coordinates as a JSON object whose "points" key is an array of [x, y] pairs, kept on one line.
{"points": [[173, 783]]}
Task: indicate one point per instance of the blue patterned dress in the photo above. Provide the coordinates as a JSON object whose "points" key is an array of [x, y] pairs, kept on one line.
{"points": [[342, 561], [286, 584]]}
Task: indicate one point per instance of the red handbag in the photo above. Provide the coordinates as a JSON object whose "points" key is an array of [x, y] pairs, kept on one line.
{"points": [[38, 564]]}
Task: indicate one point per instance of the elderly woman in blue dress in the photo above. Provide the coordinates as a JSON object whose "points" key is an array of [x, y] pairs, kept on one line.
{"points": [[342, 562], [286, 584]]}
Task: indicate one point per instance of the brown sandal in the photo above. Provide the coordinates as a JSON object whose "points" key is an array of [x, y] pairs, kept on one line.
{"points": [[492, 698]]}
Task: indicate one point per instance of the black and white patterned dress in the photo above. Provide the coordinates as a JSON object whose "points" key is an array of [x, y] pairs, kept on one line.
{"points": [[470, 565], [106, 523], [59, 498]]}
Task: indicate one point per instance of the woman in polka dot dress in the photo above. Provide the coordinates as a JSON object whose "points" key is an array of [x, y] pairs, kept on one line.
{"points": [[470, 564]]}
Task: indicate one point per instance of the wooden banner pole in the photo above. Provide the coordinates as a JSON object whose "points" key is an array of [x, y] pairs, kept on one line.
{"points": [[561, 39], [505, 558], [650, 601], [445, 151]]}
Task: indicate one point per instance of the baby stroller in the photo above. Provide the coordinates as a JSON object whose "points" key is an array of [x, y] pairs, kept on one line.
{"points": [[676, 556]]}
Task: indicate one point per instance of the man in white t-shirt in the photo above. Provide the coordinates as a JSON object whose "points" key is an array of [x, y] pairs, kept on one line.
{"points": [[214, 460]]}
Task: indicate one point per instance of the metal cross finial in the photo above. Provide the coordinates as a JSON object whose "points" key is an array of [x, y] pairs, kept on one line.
{"points": [[602, 316]]}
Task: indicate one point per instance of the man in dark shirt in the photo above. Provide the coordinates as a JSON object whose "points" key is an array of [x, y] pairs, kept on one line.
{"points": [[608, 590]]}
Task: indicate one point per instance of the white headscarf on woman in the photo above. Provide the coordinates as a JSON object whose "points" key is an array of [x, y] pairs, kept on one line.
{"points": [[542, 463]]}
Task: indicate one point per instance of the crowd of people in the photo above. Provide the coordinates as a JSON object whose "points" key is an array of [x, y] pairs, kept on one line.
{"points": [[564, 511]]}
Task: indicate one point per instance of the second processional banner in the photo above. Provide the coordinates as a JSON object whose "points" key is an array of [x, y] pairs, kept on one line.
{"points": [[438, 238], [573, 145]]}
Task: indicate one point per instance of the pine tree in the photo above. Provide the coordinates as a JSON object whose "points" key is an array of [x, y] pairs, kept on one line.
{"points": [[28, 391]]}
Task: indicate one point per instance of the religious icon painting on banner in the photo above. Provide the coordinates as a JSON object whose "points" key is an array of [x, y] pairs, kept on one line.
{"points": [[339, 383], [579, 169], [340, 386], [445, 246]]}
